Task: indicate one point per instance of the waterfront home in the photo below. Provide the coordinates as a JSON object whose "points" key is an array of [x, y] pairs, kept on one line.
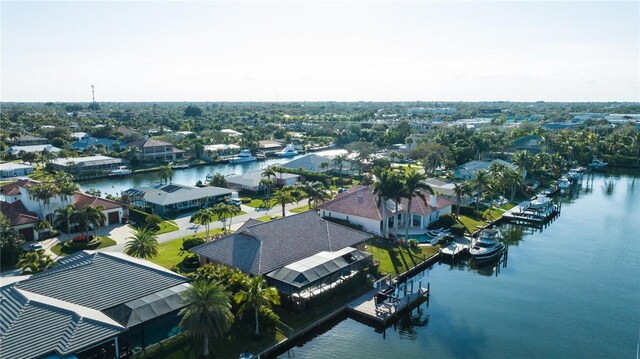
{"points": [[154, 150], [260, 248], [446, 190], [310, 162], [270, 145], [20, 192], [28, 140], [92, 304], [23, 221], [173, 198], [97, 164], [82, 144], [250, 181], [467, 171], [17, 150], [231, 133], [532, 144], [12, 169], [359, 206], [79, 136]]}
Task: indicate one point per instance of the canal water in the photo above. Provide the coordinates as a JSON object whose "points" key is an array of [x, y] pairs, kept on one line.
{"points": [[571, 290], [189, 176]]}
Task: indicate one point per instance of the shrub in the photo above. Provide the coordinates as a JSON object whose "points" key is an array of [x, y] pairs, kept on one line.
{"points": [[82, 238], [466, 211], [191, 242], [457, 229], [92, 243], [445, 221], [413, 243], [245, 200], [268, 319]]}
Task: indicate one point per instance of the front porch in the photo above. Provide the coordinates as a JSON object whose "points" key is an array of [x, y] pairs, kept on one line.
{"points": [[417, 224]]}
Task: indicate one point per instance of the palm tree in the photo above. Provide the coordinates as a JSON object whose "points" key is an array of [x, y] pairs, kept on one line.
{"points": [[481, 181], [43, 193], [35, 262], [143, 244], [207, 312], [95, 217], [524, 161], [64, 216], [282, 197], [413, 187], [64, 184], [384, 187], [513, 180], [166, 173], [460, 190], [256, 295], [269, 172], [324, 166], [338, 162], [42, 227], [316, 193], [204, 216], [233, 211], [267, 184], [224, 211]]}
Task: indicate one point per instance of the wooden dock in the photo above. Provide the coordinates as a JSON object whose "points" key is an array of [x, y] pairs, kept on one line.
{"points": [[368, 306], [454, 249], [520, 213]]}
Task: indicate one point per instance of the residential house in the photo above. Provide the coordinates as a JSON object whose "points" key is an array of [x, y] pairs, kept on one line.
{"points": [[359, 206], [467, 171], [231, 133], [82, 144], [263, 248], [90, 305], [12, 169], [251, 181], [17, 150], [21, 219], [94, 164], [270, 145], [79, 136], [176, 198], [311, 162], [154, 150], [532, 144], [446, 189], [28, 140]]}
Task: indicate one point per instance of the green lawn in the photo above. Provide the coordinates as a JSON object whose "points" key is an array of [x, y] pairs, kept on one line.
{"points": [[63, 251], [167, 226], [396, 259], [268, 218], [300, 209], [169, 252], [471, 223], [255, 203]]}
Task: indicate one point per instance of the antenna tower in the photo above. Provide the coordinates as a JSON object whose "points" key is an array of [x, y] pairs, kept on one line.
{"points": [[93, 95]]}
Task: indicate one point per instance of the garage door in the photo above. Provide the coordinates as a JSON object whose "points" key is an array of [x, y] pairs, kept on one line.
{"points": [[114, 218], [27, 233]]}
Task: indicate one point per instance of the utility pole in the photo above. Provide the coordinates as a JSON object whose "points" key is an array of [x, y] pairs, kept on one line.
{"points": [[93, 96]]}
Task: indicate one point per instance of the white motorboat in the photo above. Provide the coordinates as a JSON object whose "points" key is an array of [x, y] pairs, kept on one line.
{"points": [[539, 202], [486, 246], [596, 164], [574, 174], [564, 183], [121, 171], [243, 156], [288, 151]]}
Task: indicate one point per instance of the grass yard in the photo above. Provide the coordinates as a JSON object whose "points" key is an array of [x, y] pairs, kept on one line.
{"points": [[167, 226], [396, 259], [471, 223], [268, 218], [300, 209], [58, 249], [170, 253]]}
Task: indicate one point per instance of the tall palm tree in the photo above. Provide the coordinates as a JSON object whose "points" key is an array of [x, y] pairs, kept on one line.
{"points": [[269, 172], [95, 217], [460, 190], [43, 193], [338, 162], [233, 211], [316, 193], [282, 197], [384, 187], [413, 187], [481, 181], [143, 244], [324, 166], [267, 184], [34, 262], [256, 295], [524, 161], [65, 185], [166, 173], [207, 312], [204, 216], [64, 216]]}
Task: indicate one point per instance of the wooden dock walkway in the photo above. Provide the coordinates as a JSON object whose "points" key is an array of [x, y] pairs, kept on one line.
{"points": [[369, 307]]}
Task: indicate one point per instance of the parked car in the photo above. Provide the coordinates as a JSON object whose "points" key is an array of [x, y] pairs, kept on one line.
{"points": [[35, 247]]}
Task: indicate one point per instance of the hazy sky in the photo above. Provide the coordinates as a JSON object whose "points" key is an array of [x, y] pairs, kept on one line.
{"points": [[310, 51]]}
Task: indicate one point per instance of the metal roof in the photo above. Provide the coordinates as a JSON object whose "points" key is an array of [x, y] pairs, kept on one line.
{"points": [[306, 271], [89, 160], [173, 193]]}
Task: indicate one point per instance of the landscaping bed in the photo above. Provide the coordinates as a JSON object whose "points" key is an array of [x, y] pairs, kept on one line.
{"points": [[71, 246]]}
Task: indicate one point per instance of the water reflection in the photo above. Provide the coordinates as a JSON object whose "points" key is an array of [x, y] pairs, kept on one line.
{"points": [[409, 321]]}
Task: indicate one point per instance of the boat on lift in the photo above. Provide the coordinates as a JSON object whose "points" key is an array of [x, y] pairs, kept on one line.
{"points": [[121, 171], [242, 157], [486, 246], [597, 164], [288, 151], [564, 183]]}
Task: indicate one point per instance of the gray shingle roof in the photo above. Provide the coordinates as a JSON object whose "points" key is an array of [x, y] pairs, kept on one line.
{"points": [[101, 280], [310, 162], [260, 248]]}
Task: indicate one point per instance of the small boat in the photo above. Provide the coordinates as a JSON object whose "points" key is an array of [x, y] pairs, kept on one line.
{"points": [[539, 202], [288, 151], [574, 174], [243, 156], [564, 183], [596, 164], [179, 166], [486, 246], [121, 171]]}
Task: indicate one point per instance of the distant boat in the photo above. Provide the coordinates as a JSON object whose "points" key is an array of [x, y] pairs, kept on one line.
{"points": [[486, 246], [539, 202], [574, 174], [288, 151], [179, 167], [121, 171], [564, 183], [243, 156], [596, 164]]}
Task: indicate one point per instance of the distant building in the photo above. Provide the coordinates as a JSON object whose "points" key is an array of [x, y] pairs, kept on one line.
{"points": [[467, 171], [12, 169], [154, 150], [21, 219], [81, 145], [79, 136], [230, 132], [251, 181], [310, 162], [94, 164], [28, 140], [176, 198], [16, 150], [270, 145], [90, 305], [532, 144]]}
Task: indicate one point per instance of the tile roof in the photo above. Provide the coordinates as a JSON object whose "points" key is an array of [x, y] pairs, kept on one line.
{"points": [[13, 189], [101, 280], [17, 213], [82, 200], [360, 201], [259, 248], [150, 142]]}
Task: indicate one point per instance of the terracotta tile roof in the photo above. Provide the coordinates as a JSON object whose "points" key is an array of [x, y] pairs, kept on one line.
{"points": [[82, 200], [13, 189], [17, 213], [360, 201]]}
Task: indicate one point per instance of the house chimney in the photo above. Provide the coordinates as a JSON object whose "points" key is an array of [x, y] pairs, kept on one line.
{"points": [[433, 200], [360, 198]]}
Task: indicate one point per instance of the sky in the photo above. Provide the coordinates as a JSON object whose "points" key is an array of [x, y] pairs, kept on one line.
{"points": [[320, 51]]}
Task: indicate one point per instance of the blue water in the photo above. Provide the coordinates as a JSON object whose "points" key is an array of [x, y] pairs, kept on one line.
{"points": [[422, 238], [569, 291]]}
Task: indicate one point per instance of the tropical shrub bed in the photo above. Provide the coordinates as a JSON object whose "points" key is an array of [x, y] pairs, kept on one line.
{"points": [[83, 242]]}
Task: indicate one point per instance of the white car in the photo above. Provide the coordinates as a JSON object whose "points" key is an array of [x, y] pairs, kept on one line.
{"points": [[35, 247]]}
